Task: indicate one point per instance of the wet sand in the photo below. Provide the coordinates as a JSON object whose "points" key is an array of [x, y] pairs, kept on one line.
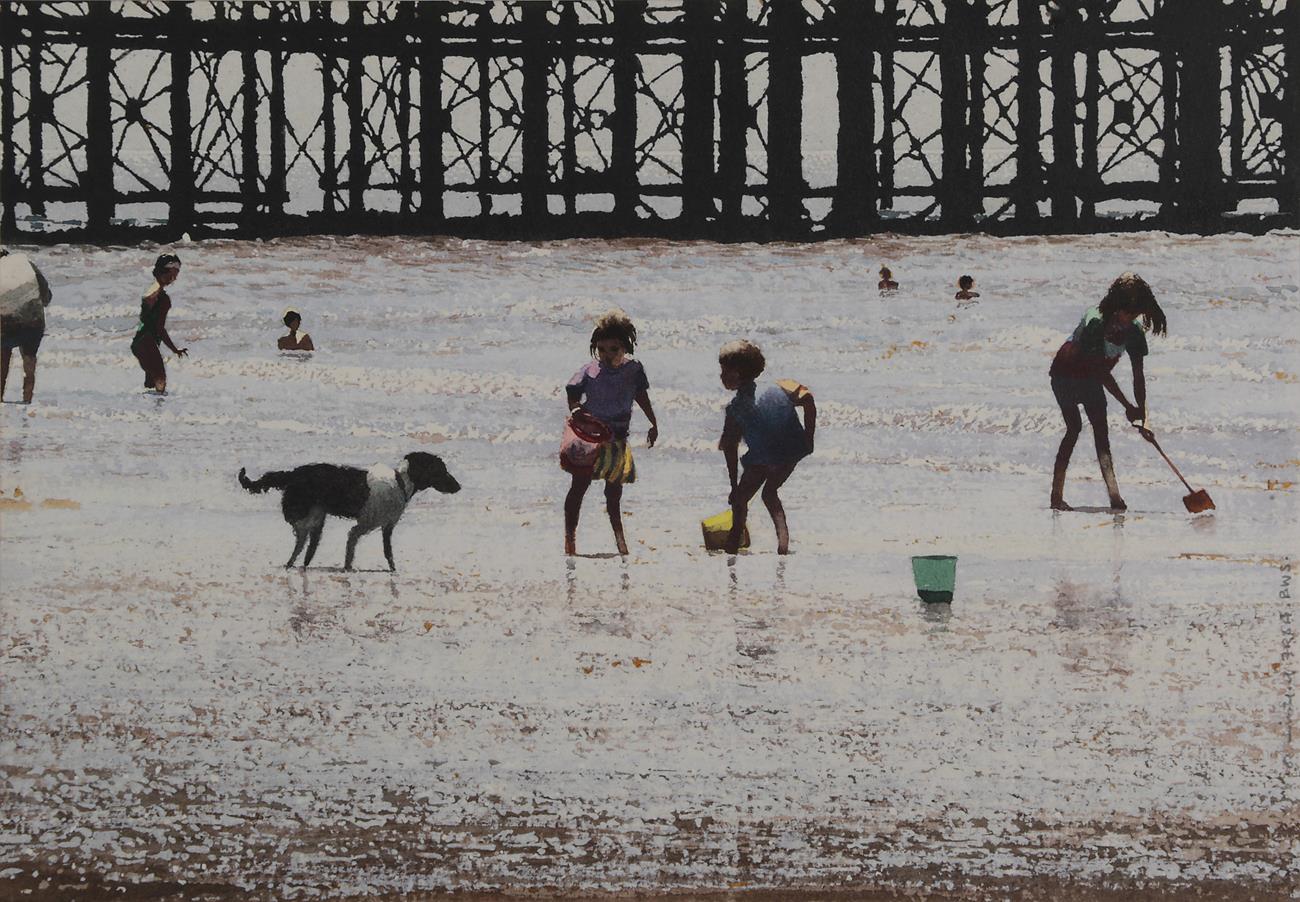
{"points": [[1105, 711]]}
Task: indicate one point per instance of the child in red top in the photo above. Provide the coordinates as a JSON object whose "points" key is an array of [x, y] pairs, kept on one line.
{"points": [[1082, 368]]}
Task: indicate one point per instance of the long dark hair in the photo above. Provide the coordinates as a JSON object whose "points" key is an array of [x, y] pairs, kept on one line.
{"points": [[1131, 292]]}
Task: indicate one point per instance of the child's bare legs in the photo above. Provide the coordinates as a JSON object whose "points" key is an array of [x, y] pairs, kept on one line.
{"points": [[29, 372], [29, 376], [572, 506], [751, 478], [1101, 435], [4, 368], [770, 479], [776, 478], [613, 495], [1073, 426]]}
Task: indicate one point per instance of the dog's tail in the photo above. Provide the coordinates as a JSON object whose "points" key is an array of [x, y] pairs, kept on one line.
{"points": [[276, 479]]}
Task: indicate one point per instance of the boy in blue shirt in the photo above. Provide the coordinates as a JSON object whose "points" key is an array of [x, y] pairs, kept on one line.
{"points": [[764, 416]]}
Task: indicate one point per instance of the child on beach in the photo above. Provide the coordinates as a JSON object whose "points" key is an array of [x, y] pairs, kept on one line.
{"points": [[764, 416], [1082, 368], [293, 341], [965, 286], [152, 330], [22, 318], [606, 387], [886, 282]]}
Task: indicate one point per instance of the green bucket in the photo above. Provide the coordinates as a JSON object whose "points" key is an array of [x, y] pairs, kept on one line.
{"points": [[936, 577]]}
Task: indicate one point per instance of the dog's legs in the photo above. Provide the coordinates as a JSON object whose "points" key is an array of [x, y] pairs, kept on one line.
{"points": [[388, 546], [301, 540], [354, 533], [315, 540]]}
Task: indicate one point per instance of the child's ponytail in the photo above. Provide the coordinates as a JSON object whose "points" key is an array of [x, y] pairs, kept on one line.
{"points": [[1155, 319]]}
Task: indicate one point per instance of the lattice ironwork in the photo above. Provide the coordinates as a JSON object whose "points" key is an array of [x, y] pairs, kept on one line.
{"points": [[917, 132], [592, 122], [1001, 115], [673, 117], [216, 122], [756, 123], [658, 154], [56, 89], [1264, 113], [1132, 111]]}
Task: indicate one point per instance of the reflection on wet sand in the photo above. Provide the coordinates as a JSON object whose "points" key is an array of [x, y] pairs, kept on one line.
{"points": [[305, 621], [936, 613], [1096, 623]]}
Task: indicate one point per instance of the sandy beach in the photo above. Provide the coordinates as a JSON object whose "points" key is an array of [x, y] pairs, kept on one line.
{"points": [[1106, 710]]}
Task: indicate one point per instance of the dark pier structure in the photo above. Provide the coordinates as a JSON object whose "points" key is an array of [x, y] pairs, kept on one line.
{"points": [[717, 119]]}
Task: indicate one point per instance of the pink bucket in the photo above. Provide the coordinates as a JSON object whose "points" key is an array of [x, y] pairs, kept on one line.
{"points": [[583, 437]]}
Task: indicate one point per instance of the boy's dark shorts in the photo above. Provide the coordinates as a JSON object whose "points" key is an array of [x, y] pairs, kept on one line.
{"points": [[1072, 392], [26, 339]]}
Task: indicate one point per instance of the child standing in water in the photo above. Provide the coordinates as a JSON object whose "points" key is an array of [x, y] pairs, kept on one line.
{"points": [[966, 289], [606, 387], [886, 282], [152, 330], [293, 341], [1082, 368], [764, 416]]}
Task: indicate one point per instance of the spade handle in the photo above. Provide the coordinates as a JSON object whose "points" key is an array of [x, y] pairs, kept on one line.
{"points": [[1150, 436]]}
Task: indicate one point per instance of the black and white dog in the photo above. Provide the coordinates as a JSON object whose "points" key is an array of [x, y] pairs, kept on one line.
{"points": [[375, 498]]}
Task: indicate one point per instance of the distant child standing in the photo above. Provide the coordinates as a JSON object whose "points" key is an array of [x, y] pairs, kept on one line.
{"points": [[606, 387], [966, 289], [1082, 368], [886, 282], [22, 318], [152, 330], [764, 416]]}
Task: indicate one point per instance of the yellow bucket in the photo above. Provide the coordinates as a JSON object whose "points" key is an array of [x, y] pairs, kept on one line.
{"points": [[717, 528]]}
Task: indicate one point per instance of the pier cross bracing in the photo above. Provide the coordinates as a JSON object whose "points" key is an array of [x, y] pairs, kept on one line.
{"points": [[780, 119]]}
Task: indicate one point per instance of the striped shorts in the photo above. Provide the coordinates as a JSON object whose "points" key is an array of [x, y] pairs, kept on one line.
{"points": [[614, 463]]}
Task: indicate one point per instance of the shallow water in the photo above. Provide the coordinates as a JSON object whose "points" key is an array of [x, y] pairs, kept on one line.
{"points": [[1109, 700]]}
